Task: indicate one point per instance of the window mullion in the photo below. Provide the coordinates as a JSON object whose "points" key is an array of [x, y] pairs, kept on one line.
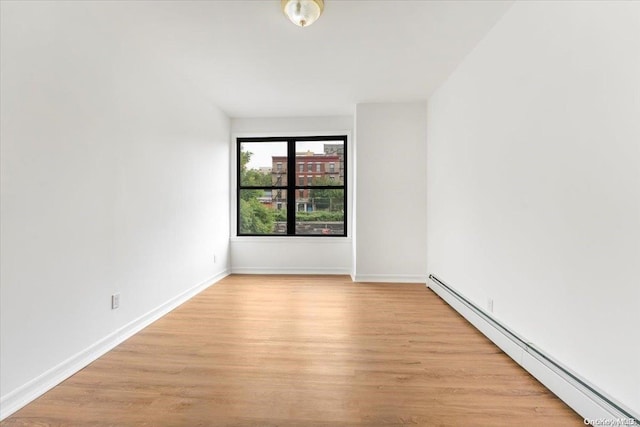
{"points": [[291, 187]]}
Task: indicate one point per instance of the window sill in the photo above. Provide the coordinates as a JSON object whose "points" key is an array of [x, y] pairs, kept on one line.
{"points": [[291, 239]]}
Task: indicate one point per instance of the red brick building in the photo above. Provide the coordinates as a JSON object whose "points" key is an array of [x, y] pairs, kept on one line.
{"points": [[311, 168]]}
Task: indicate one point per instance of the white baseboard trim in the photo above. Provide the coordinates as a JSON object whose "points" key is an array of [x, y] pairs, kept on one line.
{"points": [[30, 391], [590, 403], [390, 278], [295, 270]]}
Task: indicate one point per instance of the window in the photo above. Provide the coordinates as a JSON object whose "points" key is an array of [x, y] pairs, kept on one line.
{"points": [[272, 198]]}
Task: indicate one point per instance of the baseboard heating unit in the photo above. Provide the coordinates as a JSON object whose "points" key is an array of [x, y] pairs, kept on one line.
{"points": [[582, 397]]}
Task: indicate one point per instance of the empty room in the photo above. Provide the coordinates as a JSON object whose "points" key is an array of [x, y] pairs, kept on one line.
{"points": [[319, 213]]}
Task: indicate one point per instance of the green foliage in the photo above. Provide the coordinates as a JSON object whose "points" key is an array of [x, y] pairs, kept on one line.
{"points": [[252, 177], [280, 215], [255, 218], [327, 199], [319, 216], [323, 180]]}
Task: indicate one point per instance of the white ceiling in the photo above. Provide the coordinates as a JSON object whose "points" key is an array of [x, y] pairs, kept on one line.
{"points": [[252, 62]]}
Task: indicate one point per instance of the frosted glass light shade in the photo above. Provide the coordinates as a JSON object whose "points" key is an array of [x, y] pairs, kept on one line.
{"points": [[303, 12]]}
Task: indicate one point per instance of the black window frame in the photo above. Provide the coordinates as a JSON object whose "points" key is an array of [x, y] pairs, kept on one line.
{"points": [[292, 186]]}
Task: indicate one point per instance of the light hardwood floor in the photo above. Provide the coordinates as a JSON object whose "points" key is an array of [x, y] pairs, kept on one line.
{"points": [[303, 351]]}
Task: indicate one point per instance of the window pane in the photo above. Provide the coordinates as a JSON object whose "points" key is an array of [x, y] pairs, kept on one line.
{"points": [[320, 212], [263, 163], [263, 212], [325, 159]]}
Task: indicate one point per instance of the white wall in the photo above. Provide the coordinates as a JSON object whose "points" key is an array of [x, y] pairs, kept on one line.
{"points": [[292, 255], [297, 126], [115, 178], [390, 224], [534, 184]]}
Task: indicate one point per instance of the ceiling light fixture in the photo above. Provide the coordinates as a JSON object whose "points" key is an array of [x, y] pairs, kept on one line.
{"points": [[303, 12]]}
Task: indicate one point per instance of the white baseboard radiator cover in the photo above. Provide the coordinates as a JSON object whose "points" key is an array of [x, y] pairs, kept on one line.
{"points": [[592, 404]]}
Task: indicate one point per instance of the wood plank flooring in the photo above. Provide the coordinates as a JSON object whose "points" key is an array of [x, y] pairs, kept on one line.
{"points": [[303, 351]]}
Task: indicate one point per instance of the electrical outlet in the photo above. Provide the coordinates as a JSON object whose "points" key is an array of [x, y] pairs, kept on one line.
{"points": [[490, 305], [115, 301], [214, 258]]}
